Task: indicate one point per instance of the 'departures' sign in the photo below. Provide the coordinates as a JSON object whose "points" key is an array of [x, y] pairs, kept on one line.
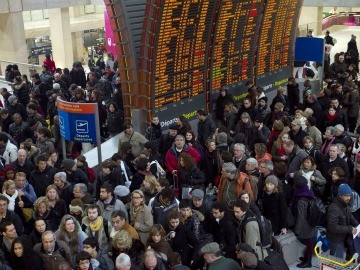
{"points": [[77, 121]]}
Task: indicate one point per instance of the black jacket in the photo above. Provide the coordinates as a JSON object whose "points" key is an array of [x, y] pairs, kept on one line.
{"points": [[41, 180], [206, 130], [275, 209], [27, 168], [193, 177], [298, 137], [339, 221]]}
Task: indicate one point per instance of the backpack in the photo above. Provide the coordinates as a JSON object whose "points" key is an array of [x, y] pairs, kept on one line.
{"points": [[316, 212], [266, 231]]}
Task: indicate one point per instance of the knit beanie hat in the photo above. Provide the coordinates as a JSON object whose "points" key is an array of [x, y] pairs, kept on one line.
{"points": [[264, 99], [344, 189], [272, 179], [67, 164], [76, 205], [11, 98], [62, 176], [300, 181], [121, 191], [221, 138], [279, 105]]}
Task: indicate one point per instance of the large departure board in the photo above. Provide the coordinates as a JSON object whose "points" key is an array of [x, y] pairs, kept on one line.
{"points": [[233, 57], [175, 55], [277, 36]]}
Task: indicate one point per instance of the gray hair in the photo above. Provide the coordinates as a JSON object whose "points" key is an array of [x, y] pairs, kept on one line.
{"points": [[245, 115], [268, 164], [122, 259], [230, 167], [253, 162], [241, 146], [82, 187], [332, 130]]}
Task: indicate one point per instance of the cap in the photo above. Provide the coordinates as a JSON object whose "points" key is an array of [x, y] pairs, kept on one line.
{"points": [[67, 164], [56, 86], [61, 175], [76, 205], [174, 126], [197, 194], [272, 179], [279, 105], [248, 259], [296, 122], [211, 248], [121, 191], [263, 98], [12, 98], [344, 189], [258, 118], [339, 127]]}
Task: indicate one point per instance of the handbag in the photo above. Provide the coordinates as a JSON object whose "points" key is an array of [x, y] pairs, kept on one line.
{"points": [[27, 212]]}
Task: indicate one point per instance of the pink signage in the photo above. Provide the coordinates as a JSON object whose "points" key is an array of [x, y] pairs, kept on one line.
{"points": [[110, 46]]}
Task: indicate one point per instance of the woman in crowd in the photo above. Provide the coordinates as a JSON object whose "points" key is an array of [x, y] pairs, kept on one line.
{"points": [[157, 242], [63, 187], [23, 257], [149, 187], [43, 142], [41, 210], [190, 140], [316, 182], [189, 173], [140, 215], [244, 195], [261, 152], [123, 243], [10, 192], [58, 207], [183, 125], [274, 205], [303, 230], [212, 163], [115, 119], [127, 155], [70, 232], [38, 229], [337, 177]]}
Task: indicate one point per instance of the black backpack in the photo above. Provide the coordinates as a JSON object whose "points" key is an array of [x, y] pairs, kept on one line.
{"points": [[316, 212], [265, 228]]}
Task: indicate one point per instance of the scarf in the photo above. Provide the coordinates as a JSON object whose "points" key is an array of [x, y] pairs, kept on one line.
{"points": [[96, 227], [11, 199], [330, 117]]}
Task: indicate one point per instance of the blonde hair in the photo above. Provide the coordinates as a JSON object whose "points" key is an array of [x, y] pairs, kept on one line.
{"points": [[299, 111], [39, 201], [50, 187], [122, 240], [7, 184], [152, 181]]}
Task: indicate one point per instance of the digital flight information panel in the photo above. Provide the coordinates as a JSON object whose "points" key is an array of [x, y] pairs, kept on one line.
{"points": [[233, 56], [277, 37], [180, 55]]}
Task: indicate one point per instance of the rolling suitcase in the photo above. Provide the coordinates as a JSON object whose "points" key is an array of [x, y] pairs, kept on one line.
{"points": [[287, 246]]}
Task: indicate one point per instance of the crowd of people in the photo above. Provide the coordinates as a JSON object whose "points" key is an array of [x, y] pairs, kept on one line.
{"points": [[189, 198]]}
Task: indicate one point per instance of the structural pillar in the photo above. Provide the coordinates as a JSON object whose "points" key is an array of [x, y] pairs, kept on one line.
{"points": [[319, 19], [77, 39], [12, 38], [60, 33]]}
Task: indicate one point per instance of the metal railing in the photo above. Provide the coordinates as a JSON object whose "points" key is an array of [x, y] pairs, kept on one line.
{"points": [[24, 68]]}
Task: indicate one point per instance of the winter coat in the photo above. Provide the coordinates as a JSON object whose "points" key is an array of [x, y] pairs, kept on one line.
{"points": [[15, 219], [41, 180], [295, 160], [299, 207], [101, 235], [211, 166], [318, 185], [52, 261], [160, 212], [45, 145], [56, 214], [18, 108], [339, 221], [10, 153], [171, 158], [180, 243], [258, 136], [165, 143], [136, 139], [206, 130], [142, 222], [352, 103], [22, 91], [194, 233], [107, 209], [315, 133], [293, 96], [275, 209], [20, 132], [193, 177], [298, 138], [115, 121], [153, 133], [239, 178]]}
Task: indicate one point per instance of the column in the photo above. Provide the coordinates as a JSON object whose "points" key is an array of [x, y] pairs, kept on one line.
{"points": [[77, 39], [12, 38], [60, 32], [319, 19]]}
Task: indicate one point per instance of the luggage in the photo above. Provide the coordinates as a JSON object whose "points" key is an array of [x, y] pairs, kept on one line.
{"points": [[287, 246], [275, 260]]}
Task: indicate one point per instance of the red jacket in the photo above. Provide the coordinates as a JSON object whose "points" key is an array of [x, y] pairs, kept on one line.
{"points": [[171, 158], [51, 65]]}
